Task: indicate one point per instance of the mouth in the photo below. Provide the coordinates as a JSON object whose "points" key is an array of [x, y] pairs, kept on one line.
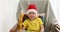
{"points": [[31, 17]]}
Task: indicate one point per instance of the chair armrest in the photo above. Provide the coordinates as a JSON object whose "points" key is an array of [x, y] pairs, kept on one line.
{"points": [[57, 26], [14, 28]]}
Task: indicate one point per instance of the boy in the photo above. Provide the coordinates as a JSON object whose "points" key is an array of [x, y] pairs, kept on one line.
{"points": [[33, 24]]}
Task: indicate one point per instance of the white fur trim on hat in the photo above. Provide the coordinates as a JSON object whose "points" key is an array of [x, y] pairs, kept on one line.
{"points": [[31, 10]]}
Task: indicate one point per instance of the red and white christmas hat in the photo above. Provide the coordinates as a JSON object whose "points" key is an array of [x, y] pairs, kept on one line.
{"points": [[32, 8]]}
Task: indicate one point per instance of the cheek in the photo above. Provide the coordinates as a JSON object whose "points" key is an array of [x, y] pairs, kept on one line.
{"points": [[29, 16]]}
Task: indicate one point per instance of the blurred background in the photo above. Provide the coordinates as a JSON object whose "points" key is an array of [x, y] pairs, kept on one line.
{"points": [[9, 11]]}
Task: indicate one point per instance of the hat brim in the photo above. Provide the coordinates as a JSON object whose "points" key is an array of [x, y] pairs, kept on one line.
{"points": [[31, 10]]}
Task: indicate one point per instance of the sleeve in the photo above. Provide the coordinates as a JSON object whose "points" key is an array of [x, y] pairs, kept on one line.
{"points": [[40, 22], [25, 23]]}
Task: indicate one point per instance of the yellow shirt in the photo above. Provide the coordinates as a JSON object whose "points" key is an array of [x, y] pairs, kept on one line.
{"points": [[33, 25]]}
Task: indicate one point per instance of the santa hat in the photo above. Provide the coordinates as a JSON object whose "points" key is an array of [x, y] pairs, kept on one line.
{"points": [[32, 8]]}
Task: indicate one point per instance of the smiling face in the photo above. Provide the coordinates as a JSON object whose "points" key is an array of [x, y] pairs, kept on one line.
{"points": [[32, 15]]}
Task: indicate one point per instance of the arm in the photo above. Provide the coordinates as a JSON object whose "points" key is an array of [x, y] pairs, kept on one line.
{"points": [[41, 25], [42, 28], [23, 27], [21, 30], [14, 28]]}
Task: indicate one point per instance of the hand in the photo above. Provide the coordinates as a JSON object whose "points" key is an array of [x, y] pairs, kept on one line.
{"points": [[41, 31]]}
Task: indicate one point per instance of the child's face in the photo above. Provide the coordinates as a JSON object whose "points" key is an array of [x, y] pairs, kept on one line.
{"points": [[32, 15]]}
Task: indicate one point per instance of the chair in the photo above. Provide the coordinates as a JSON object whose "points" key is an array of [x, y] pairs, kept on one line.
{"points": [[23, 19]]}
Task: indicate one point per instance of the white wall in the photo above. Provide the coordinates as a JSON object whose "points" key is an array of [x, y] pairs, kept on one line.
{"points": [[58, 10], [54, 6], [0, 18], [8, 14]]}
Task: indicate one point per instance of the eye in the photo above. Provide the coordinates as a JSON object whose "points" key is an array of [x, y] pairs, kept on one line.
{"points": [[33, 13]]}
